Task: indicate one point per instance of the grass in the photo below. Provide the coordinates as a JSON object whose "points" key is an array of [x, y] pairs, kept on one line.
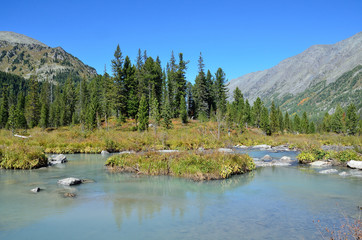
{"points": [[193, 165], [182, 137], [22, 157], [317, 154]]}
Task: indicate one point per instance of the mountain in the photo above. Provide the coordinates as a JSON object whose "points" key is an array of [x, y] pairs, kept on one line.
{"points": [[25, 56], [315, 80]]}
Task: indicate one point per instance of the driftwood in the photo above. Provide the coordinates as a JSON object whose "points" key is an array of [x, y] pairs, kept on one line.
{"points": [[20, 136]]}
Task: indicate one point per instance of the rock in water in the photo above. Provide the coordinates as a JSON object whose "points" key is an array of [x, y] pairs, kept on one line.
{"points": [[104, 153], [266, 157], [329, 171], [35, 190], [285, 159], [343, 174], [355, 164], [57, 159], [70, 181], [320, 163], [225, 150], [70, 195]]}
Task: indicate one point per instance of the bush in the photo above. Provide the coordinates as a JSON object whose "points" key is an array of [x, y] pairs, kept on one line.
{"points": [[22, 157]]}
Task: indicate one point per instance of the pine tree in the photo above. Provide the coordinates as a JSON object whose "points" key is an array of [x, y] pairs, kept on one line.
{"points": [[326, 126], [191, 105], [119, 78], [274, 119], [257, 107], [221, 90], [44, 116], [32, 108], [281, 120], [12, 119], [20, 109], [143, 114], [311, 129], [337, 120], [180, 88], [155, 113], [166, 114], [264, 121], [247, 113], [304, 124], [297, 125], [4, 107], [351, 119], [201, 92], [183, 110]]}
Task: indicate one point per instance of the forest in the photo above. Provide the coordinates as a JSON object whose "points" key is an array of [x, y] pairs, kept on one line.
{"points": [[151, 96]]}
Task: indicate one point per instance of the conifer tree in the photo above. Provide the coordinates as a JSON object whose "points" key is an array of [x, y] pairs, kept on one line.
{"points": [[247, 113], [274, 119], [221, 90], [20, 108], [337, 120], [12, 119], [32, 108], [166, 114], [257, 107], [351, 119], [281, 121], [264, 121], [143, 114], [326, 126], [201, 92], [304, 124], [296, 123], [311, 128], [183, 110], [180, 88], [287, 124], [155, 113], [119, 78], [4, 107], [44, 116]]}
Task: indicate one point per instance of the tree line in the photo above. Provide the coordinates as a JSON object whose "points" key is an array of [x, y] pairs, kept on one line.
{"points": [[149, 94]]}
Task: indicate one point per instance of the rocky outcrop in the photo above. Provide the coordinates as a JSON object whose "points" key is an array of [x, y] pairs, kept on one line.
{"points": [[70, 181], [57, 159], [355, 164], [266, 158], [320, 164]]}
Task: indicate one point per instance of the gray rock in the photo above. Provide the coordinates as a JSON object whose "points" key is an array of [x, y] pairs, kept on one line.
{"points": [[225, 150], [285, 159], [355, 164], [168, 151], [263, 146], [320, 163], [104, 153], [57, 159], [241, 146], [126, 152], [343, 174], [70, 181], [70, 195], [329, 171], [35, 190], [280, 148], [266, 158]]}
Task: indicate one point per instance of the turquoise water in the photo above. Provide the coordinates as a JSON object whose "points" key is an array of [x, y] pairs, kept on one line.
{"points": [[269, 203]]}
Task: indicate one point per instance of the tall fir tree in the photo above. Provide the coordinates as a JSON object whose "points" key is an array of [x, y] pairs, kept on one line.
{"points": [[337, 123], [221, 90], [351, 119], [274, 118], [257, 108], [201, 91], [264, 121], [32, 107], [4, 107], [143, 114], [183, 110]]}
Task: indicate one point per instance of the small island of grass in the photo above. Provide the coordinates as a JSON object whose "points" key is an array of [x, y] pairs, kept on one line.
{"points": [[193, 165]]}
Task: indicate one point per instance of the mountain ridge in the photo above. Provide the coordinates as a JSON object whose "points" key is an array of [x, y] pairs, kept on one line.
{"points": [[25, 56], [295, 75]]}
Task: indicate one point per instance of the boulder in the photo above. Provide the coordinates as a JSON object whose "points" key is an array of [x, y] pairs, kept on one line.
{"points": [[35, 190], [242, 146], [127, 152], [266, 158], [263, 146], [57, 159], [280, 148], [168, 151], [329, 171], [285, 159], [319, 163], [104, 153], [343, 174], [70, 195], [70, 181], [225, 150], [355, 164]]}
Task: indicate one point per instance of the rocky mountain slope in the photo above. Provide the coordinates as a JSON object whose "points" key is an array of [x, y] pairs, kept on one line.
{"points": [[314, 80], [26, 56]]}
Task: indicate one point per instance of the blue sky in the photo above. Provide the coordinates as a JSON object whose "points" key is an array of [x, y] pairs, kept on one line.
{"points": [[238, 36]]}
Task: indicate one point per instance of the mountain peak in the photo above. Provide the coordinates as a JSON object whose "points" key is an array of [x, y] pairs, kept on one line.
{"points": [[13, 37]]}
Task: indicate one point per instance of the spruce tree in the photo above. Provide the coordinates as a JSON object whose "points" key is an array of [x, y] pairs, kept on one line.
{"points": [[20, 109], [337, 120], [257, 107], [155, 113], [296, 123], [12, 119], [44, 116], [221, 90], [351, 119], [304, 124], [264, 121], [32, 107], [287, 124], [183, 110], [326, 126], [201, 92], [166, 114], [143, 114], [274, 119], [247, 113], [4, 107]]}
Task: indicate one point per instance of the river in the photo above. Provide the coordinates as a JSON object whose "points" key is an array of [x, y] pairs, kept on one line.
{"points": [[269, 203]]}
